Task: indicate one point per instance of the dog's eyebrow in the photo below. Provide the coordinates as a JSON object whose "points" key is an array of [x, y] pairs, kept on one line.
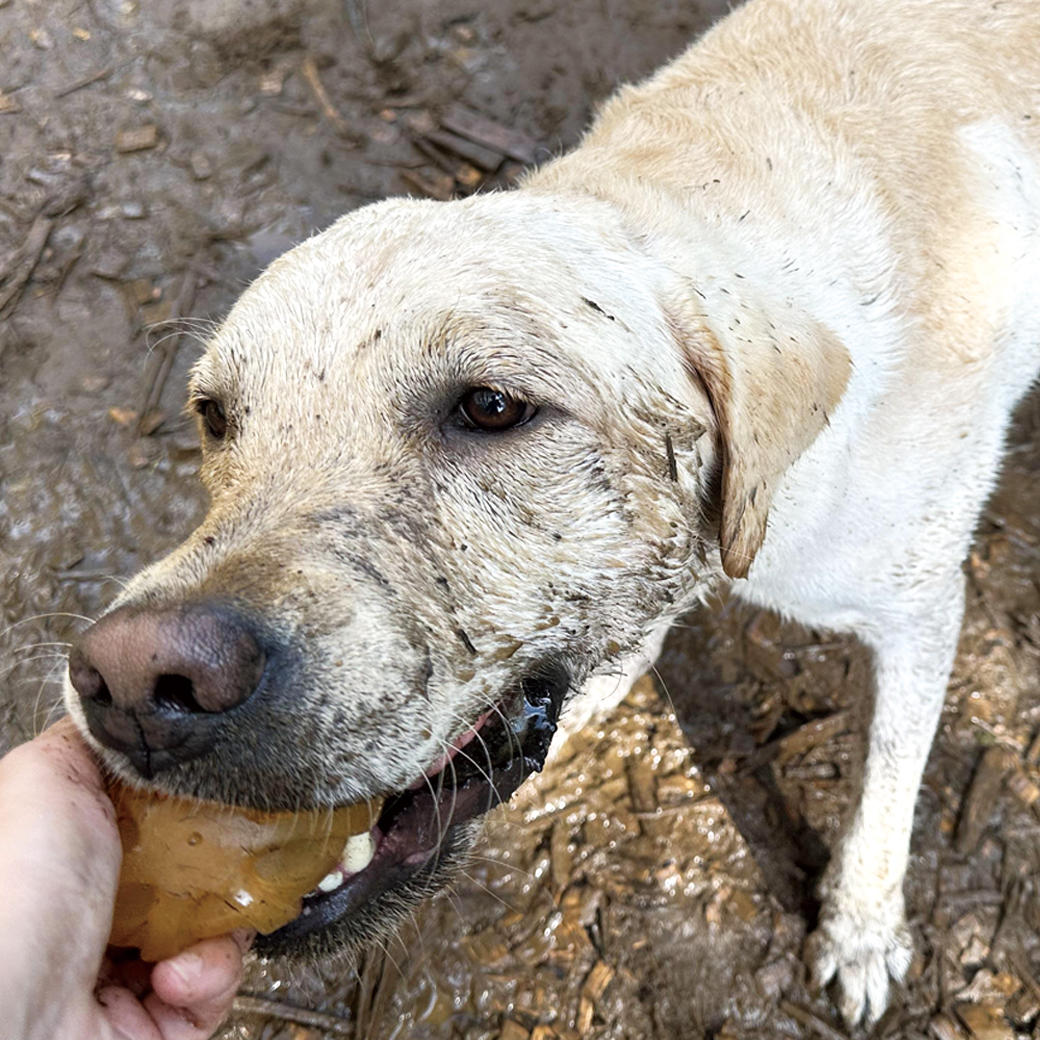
{"points": [[209, 377]]}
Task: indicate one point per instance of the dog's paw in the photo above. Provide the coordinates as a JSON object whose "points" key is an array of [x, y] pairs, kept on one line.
{"points": [[861, 950]]}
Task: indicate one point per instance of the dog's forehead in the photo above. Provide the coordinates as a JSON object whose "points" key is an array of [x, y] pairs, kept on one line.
{"points": [[409, 273]]}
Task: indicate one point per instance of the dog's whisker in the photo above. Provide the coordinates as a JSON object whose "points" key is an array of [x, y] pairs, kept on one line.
{"points": [[510, 867], [43, 617], [53, 714], [385, 950], [665, 692], [443, 829], [24, 662], [515, 746], [491, 892], [34, 646], [56, 704]]}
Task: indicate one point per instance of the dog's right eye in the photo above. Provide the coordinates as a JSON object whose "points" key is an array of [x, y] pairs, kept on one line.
{"points": [[483, 408], [213, 417]]}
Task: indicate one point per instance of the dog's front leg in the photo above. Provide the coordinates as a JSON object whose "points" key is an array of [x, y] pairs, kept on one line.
{"points": [[862, 938]]}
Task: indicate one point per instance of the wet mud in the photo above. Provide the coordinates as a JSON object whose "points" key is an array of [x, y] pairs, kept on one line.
{"points": [[657, 879]]}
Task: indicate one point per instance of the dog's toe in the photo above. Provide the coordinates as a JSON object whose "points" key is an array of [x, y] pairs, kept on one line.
{"points": [[861, 953]]}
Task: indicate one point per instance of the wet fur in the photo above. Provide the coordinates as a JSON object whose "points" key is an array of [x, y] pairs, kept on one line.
{"points": [[775, 312]]}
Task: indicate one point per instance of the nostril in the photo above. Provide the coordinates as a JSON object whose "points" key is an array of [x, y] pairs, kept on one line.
{"points": [[87, 680], [176, 692]]}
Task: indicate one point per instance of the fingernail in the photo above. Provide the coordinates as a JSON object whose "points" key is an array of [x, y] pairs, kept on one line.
{"points": [[187, 967]]}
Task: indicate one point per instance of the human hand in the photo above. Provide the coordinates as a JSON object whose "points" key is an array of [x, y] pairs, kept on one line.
{"points": [[59, 867]]}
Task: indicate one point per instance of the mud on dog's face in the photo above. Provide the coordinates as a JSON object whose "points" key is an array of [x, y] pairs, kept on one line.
{"points": [[454, 465]]}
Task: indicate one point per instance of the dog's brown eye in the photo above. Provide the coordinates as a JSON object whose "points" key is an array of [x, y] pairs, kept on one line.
{"points": [[213, 418], [492, 410]]}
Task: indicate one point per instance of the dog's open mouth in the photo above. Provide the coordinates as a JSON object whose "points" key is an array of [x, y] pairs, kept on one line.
{"points": [[483, 767]]}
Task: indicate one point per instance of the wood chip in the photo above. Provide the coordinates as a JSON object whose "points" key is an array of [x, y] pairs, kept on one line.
{"points": [[475, 127], [122, 416], [677, 788], [1033, 754], [1023, 788], [138, 138], [811, 734], [151, 421], [463, 173], [142, 291], [142, 453], [512, 1030], [8, 105], [544, 1033], [560, 857], [201, 167], [942, 1027], [486, 948], [477, 154], [439, 186], [984, 1022], [642, 785], [597, 981], [1023, 1007], [586, 1011], [272, 82], [468, 176], [994, 764]]}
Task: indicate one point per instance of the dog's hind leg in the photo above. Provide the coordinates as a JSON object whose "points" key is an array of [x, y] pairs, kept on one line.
{"points": [[862, 939]]}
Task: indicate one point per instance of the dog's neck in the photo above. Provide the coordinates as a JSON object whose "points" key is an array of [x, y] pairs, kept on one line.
{"points": [[771, 373]]}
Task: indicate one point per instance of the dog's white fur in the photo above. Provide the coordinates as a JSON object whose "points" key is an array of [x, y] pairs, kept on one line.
{"points": [[795, 276], [875, 167]]}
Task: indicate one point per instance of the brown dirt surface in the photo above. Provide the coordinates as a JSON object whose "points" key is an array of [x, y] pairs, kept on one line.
{"points": [[656, 880]]}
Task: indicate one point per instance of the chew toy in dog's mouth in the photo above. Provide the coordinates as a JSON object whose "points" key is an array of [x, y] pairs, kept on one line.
{"points": [[482, 768]]}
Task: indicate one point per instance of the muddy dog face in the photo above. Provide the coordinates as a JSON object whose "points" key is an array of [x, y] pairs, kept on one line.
{"points": [[456, 465]]}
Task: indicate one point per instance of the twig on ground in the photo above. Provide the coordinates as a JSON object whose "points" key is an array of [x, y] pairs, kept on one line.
{"points": [[978, 803], [85, 81], [514, 143], [166, 355], [23, 262], [332, 114], [247, 1005], [806, 1018]]}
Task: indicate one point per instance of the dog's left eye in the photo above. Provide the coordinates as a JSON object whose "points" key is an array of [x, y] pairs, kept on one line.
{"points": [[482, 408], [213, 417]]}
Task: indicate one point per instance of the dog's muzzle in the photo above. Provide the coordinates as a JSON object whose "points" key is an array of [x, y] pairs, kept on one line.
{"points": [[488, 763]]}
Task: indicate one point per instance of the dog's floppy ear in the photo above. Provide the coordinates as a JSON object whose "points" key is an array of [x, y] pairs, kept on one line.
{"points": [[773, 379]]}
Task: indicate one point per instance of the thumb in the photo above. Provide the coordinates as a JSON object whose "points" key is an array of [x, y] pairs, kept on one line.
{"points": [[61, 859]]}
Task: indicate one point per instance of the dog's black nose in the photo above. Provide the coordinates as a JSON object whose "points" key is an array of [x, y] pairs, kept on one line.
{"points": [[157, 684]]}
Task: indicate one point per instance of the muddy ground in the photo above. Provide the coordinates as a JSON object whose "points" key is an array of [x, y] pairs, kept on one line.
{"points": [[153, 157]]}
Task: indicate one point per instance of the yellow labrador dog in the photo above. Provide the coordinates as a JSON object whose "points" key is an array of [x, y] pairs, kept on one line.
{"points": [[765, 327]]}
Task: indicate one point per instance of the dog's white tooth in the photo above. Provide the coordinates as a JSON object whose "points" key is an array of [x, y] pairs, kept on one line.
{"points": [[358, 853], [331, 881]]}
